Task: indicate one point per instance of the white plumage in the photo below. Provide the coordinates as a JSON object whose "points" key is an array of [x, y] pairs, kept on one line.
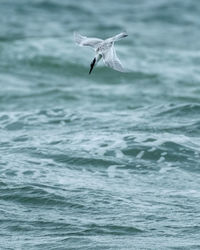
{"points": [[103, 49]]}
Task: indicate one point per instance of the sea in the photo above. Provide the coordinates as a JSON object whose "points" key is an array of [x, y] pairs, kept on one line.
{"points": [[109, 160]]}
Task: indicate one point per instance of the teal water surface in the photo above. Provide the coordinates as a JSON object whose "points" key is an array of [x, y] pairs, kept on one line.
{"points": [[103, 161]]}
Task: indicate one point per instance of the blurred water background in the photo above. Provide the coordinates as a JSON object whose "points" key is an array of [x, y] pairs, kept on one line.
{"points": [[103, 161]]}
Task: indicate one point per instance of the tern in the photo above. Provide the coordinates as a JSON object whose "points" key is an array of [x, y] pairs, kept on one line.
{"points": [[103, 49]]}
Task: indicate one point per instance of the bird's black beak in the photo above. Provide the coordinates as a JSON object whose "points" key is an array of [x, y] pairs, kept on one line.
{"points": [[92, 65]]}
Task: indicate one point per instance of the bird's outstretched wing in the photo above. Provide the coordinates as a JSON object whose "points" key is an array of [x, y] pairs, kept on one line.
{"points": [[111, 60], [117, 37], [86, 41]]}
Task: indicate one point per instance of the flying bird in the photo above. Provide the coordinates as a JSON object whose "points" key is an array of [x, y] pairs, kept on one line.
{"points": [[103, 49]]}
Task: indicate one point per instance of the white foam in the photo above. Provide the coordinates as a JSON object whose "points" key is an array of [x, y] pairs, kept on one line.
{"points": [[161, 159], [111, 170], [152, 149], [140, 154]]}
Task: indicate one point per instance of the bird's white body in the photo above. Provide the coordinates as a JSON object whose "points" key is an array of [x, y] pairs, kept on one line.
{"points": [[103, 49]]}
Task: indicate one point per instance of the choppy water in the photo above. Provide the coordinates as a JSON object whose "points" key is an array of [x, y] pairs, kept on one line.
{"points": [[107, 160]]}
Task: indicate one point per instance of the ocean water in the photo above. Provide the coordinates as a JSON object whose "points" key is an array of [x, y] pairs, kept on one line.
{"points": [[103, 161]]}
